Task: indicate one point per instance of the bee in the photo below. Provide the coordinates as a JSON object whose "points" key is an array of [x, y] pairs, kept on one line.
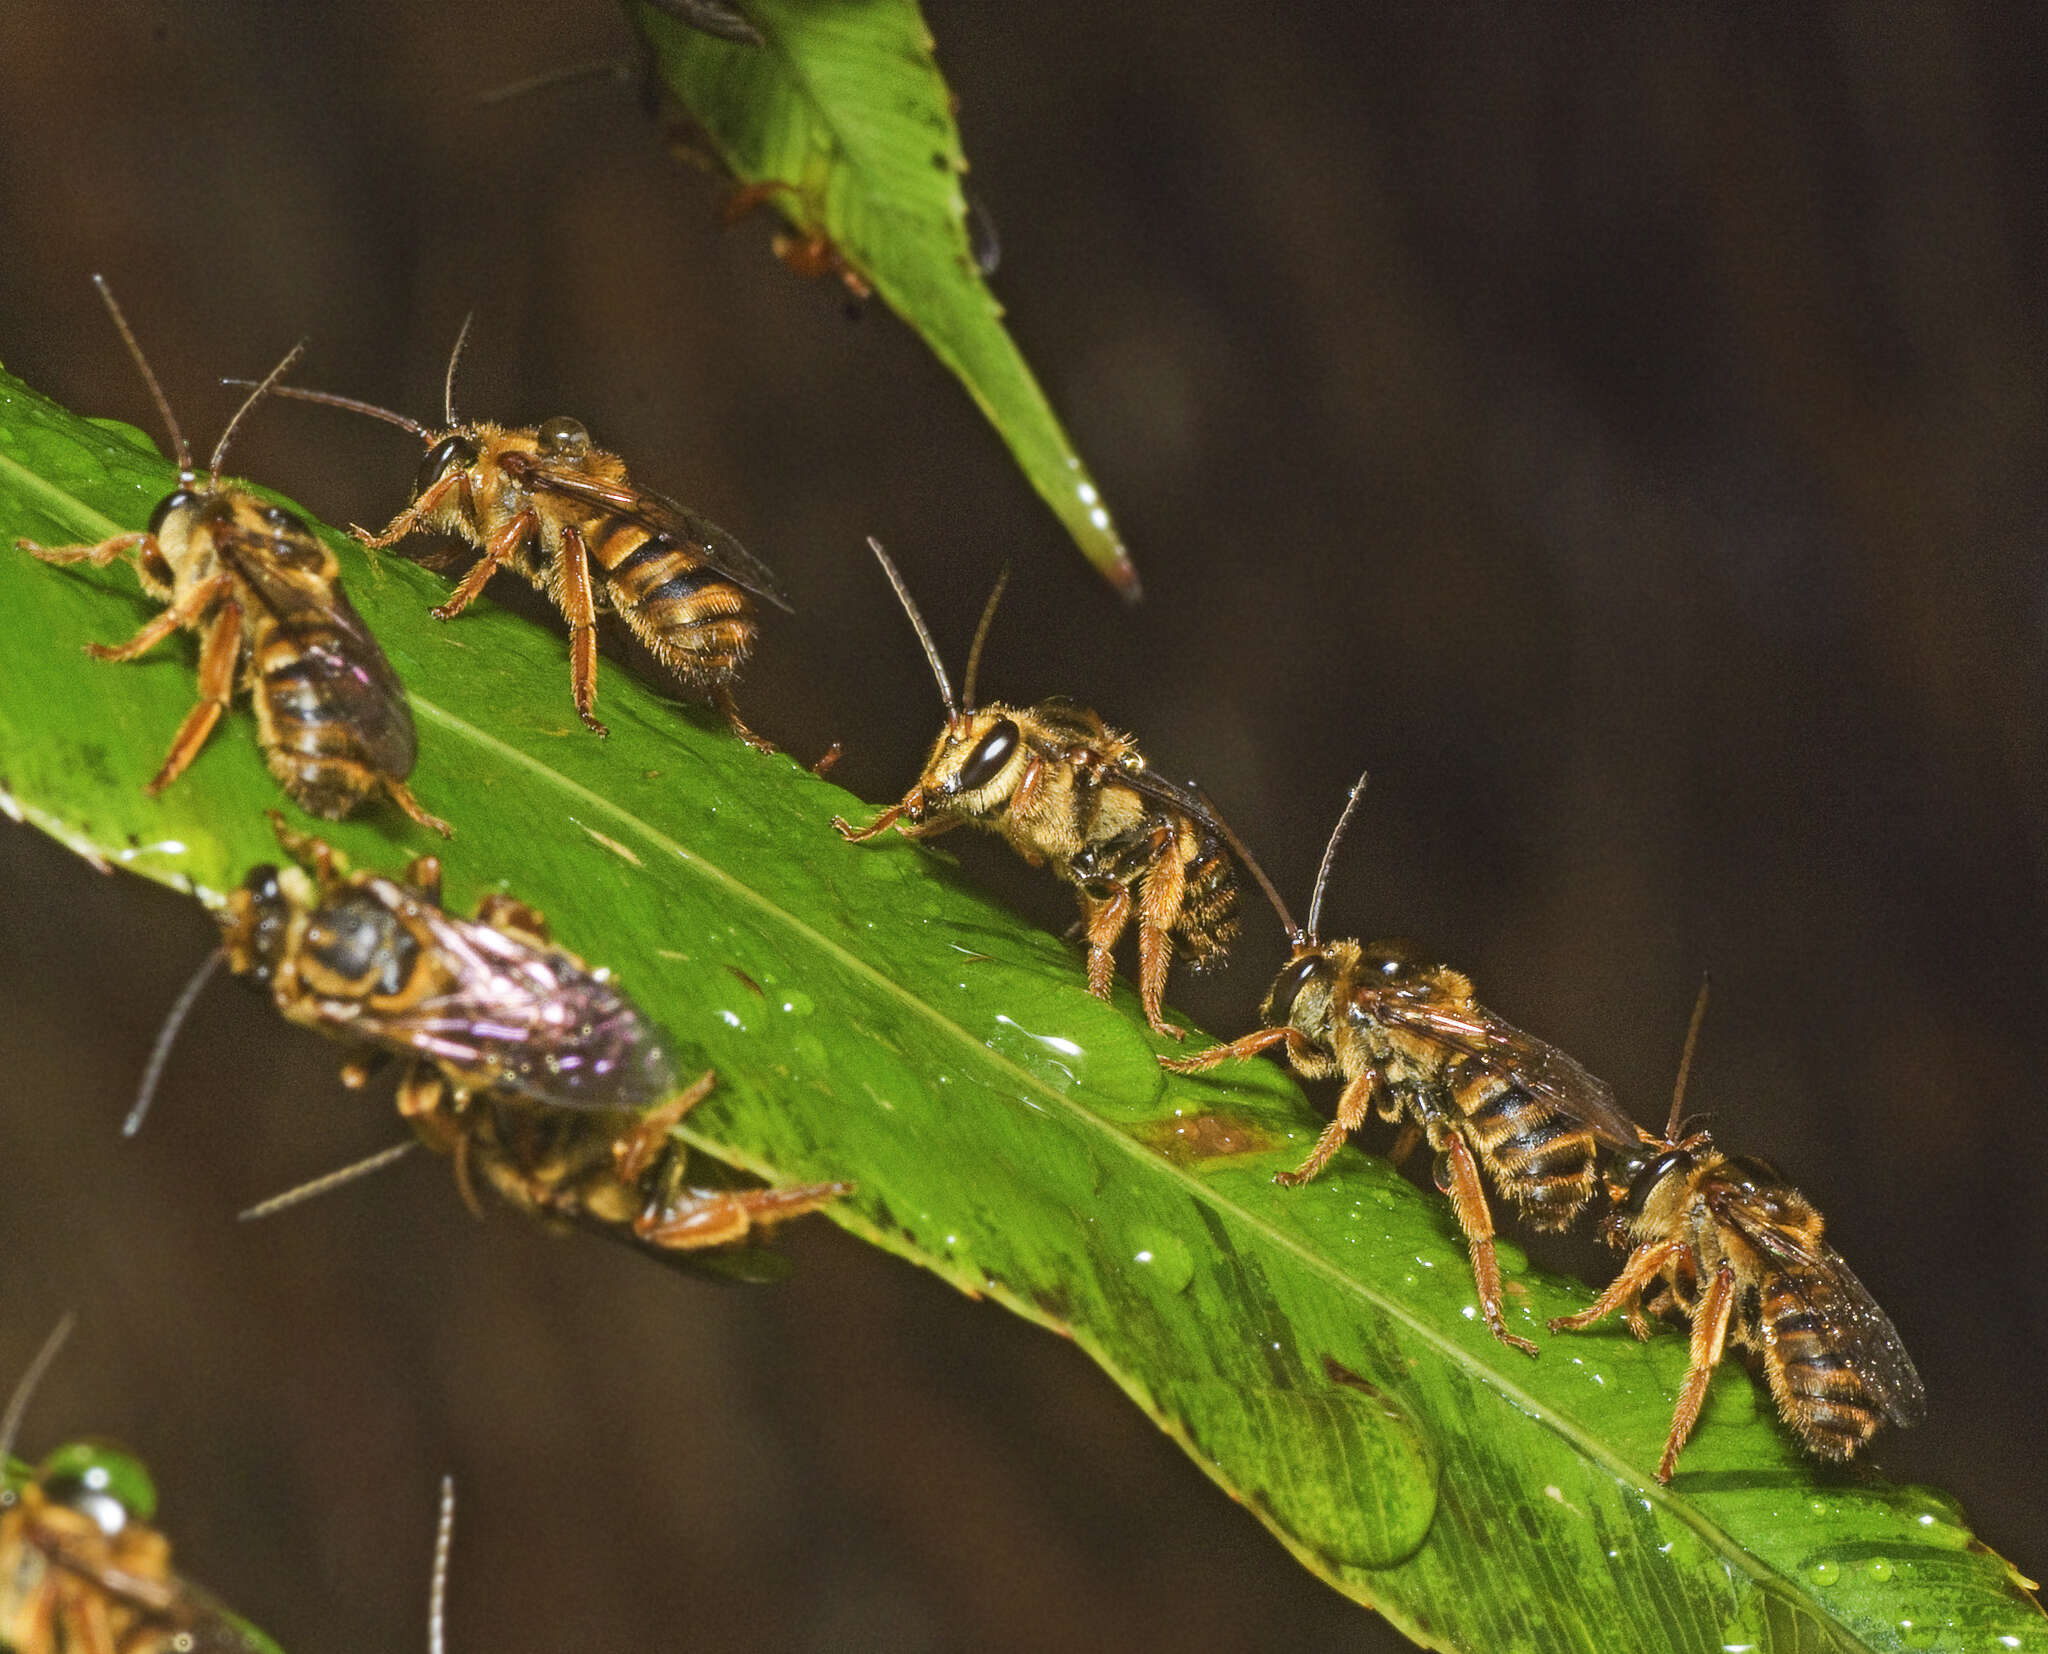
{"points": [[1730, 1246], [260, 587], [616, 1172], [1412, 1044], [1062, 788], [81, 1567], [490, 1004], [548, 503]]}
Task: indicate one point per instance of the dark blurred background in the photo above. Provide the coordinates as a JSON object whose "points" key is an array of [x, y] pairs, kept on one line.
{"points": [[1619, 428]]}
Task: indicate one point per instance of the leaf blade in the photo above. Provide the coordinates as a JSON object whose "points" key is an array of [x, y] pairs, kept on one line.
{"points": [[874, 1017], [844, 104]]}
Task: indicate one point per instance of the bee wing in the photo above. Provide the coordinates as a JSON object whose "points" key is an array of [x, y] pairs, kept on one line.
{"points": [[340, 662], [1828, 1288], [526, 1019], [659, 514], [1540, 1068]]}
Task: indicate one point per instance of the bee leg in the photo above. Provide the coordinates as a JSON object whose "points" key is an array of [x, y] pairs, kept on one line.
{"points": [[719, 1217], [580, 605], [99, 556], [498, 551], [1105, 918], [721, 698], [328, 864], [1352, 1106], [420, 1091], [423, 873], [881, 824], [1200, 1062], [412, 516], [217, 657], [1159, 903], [1643, 1267], [510, 914], [401, 795], [1404, 1144], [635, 1152], [357, 1072], [1709, 1338], [185, 612], [1468, 1201], [828, 759]]}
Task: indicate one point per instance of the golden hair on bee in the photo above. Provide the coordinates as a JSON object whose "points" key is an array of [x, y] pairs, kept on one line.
{"points": [[1727, 1244], [263, 592], [1066, 791], [549, 504], [1414, 1046]]}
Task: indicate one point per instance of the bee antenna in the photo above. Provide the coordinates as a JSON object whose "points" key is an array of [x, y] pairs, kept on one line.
{"points": [[610, 67], [924, 632], [437, 1590], [262, 390], [327, 1183], [17, 1404], [329, 399], [988, 613], [166, 1037], [1692, 1040], [448, 383], [1251, 864], [163, 403], [1315, 901]]}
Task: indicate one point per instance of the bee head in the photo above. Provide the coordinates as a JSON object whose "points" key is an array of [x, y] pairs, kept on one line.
{"points": [[1302, 993], [454, 452], [977, 764], [256, 924], [108, 1487], [179, 503], [1636, 1178]]}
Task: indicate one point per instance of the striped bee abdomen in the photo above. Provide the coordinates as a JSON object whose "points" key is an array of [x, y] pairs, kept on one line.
{"points": [[331, 718], [1819, 1390], [1542, 1159], [693, 619], [1208, 916]]}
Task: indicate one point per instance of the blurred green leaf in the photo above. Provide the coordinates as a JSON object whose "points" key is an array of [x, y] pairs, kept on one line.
{"points": [[843, 106], [873, 1017]]}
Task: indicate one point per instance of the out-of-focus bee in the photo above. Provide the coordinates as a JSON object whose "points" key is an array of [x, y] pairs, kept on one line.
{"points": [[82, 1571], [259, 586], [484, 1004], [548, 503], [617, 1172], [1413, 1045], [1726, 1243], [1062, 788]]}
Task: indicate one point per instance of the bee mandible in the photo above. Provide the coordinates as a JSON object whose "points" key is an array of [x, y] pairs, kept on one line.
{"points": [[260, 587], [1726, 1243], [1064, 790], [81, 1566], [549, 504], [1412, 1044]]}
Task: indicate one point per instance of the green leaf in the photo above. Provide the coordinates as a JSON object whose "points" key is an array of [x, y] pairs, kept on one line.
{"points": [[873, 1017], [843, 104]]}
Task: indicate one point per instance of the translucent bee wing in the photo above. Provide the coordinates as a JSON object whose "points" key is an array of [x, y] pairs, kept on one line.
{"points": [[1538, 1067], [659, 514], [527, 1018]]}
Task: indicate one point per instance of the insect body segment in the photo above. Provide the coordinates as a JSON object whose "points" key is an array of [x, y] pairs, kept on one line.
{"points": [[1726, 1243], [1066, 791], [549, 504], [1413, 1045], [264, 594], [488, 1004], [83, 1571]]}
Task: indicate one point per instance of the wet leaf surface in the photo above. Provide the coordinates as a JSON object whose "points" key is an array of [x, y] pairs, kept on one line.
{"points": [[1318, 1351], [844, 106]]}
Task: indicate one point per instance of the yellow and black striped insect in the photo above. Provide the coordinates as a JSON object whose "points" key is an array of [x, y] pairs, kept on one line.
{"points": [[82, 1570], [1726, 1243], [264, 594], [549, 504], [1412, 1044], [1063, 789]]}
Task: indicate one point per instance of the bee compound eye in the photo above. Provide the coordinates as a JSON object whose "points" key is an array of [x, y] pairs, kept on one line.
{"points": [[261, 883], [990, 754], [1287, 987], [454, 452], [179, 499], [561, 433], [1670, 1162]]}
